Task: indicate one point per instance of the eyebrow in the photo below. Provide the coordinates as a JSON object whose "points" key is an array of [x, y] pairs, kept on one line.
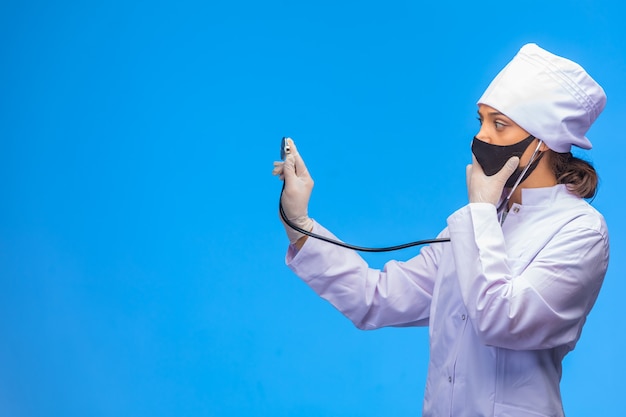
{"points": [[492, 113]]}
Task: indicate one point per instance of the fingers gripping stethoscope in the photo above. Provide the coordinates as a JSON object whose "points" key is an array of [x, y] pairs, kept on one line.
{"points": [[284, 151]]}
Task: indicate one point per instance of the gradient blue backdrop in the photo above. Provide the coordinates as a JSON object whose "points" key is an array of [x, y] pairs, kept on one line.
{"points": [[141, 258]]}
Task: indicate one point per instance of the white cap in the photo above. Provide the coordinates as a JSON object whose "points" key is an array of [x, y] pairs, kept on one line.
{"points": [[550, 97]]}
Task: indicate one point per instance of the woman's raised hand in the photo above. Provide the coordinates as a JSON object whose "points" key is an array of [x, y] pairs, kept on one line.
{"points": [[296, 192]]}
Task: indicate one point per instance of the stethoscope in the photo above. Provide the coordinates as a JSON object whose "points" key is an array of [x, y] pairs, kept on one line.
{"points": [[349, 246], [284, 151]]}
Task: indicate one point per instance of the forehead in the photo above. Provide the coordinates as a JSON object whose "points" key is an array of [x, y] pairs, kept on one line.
{"points": [[485, 110]]}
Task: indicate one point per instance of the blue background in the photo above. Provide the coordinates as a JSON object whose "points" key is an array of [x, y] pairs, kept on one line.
{"points": [[141, 256]]}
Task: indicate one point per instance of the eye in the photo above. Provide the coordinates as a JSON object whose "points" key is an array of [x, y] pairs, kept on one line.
{"points": [[480, 120], [499, 125]]}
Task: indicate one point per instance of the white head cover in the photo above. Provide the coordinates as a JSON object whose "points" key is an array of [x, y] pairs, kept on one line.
{"points": [[550, 97]]}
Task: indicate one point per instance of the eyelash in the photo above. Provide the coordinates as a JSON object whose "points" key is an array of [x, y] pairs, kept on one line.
{"points": [[496, 123]]}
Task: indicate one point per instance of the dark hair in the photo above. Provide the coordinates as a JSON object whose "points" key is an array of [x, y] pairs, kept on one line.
{"points": [[579, 175]]}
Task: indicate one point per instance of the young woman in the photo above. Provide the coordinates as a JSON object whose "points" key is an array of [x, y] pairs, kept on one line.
{"points": [[506, 299]]}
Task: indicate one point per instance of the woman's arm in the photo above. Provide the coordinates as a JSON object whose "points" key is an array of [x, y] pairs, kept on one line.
{"points": [[398, 295], [545, 305]]}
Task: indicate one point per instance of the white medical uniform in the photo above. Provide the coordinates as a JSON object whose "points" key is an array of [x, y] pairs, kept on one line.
{"points": [[504, 304]]}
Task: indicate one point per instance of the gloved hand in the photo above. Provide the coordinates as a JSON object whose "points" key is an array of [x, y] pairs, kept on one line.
{"points": [[488, 189], [296, 192]]}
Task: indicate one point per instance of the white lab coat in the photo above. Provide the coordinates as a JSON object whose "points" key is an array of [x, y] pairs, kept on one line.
{"points": [[504, 304]]}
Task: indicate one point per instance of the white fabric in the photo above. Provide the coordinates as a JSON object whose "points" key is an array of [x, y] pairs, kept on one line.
{"points": [[503, 304], [551, 97]]}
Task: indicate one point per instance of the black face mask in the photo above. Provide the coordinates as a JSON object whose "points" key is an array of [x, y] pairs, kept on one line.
{"points": [[493, 157]]}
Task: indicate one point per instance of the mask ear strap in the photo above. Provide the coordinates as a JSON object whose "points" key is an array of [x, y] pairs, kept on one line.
{"points": [[533, 157]]}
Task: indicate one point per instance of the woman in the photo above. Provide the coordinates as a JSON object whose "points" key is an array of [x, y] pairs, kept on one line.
{"points": [[506, 299]]}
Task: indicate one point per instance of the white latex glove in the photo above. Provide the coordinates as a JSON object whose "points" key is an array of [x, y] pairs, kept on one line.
{"points": [[484, 189], [296, 193]]}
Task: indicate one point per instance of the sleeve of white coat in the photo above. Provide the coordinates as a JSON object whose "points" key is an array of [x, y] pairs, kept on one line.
{"points": [[398, 295], [543, 307]]}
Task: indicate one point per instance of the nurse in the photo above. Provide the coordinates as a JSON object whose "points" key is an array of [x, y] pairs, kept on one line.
{"points": [[506, 299]]}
